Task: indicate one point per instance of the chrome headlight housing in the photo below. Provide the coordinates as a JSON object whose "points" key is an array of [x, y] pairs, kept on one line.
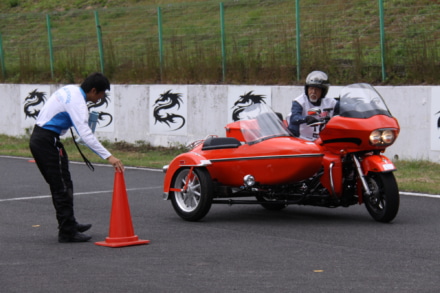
{"points": [[380, 137]]}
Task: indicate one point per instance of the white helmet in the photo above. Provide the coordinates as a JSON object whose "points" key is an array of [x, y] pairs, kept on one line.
{"points": [[317, 79]]}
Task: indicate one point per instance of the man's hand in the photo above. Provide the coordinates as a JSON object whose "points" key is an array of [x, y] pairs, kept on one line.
{"points": [[311, 119], [116, 163]]}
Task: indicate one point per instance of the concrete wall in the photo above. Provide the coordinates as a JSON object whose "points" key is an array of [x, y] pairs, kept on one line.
{"points": [[140, 112]]}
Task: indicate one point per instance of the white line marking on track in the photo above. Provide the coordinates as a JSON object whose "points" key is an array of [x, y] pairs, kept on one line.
{"points": [[420, 194], [79, 193], [94, 164], [146, 188]]}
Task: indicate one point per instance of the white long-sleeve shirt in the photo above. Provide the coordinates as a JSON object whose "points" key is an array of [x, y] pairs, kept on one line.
{"points": [[65, 108]]}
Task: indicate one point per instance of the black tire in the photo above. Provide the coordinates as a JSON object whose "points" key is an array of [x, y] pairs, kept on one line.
{"points": [[195, 202], [269, 204], [383, 203]]}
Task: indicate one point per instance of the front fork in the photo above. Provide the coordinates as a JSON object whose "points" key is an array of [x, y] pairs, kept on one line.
{"points": [[361, 174], [372, 163]]}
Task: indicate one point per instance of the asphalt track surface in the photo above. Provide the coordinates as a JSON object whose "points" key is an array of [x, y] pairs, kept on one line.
{"points": [[240, 248]]}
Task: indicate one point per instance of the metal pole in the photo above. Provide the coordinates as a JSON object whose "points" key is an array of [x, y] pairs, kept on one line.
{"points": [[382, 40], [99, 34], [298, 42], [2, 58], [159, 27], [49, 36], [223, 39]]}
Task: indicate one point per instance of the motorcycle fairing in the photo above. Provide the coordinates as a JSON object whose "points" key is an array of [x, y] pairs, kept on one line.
{"points": [[352, 134]]}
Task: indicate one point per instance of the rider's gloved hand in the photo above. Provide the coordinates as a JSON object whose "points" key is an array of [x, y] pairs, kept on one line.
{"points": [[311, 119]]}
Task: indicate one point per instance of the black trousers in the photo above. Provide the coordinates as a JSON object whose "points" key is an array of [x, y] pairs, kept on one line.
{"points": [[52, 160]]}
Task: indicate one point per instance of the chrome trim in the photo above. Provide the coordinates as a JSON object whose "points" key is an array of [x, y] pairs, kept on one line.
{"points": [[249, 180], [361, 175], [202, 163], [332, 184]]}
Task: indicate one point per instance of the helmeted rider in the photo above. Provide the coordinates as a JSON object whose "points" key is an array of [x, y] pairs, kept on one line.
{"points": [[314, 96]]}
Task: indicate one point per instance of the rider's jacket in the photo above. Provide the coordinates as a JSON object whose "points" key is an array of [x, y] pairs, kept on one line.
{"points": [[296, 119], [65, 108]]}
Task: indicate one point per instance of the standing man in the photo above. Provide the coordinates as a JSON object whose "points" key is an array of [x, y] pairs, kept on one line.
{"points": [[315, 89], [65, 108]]}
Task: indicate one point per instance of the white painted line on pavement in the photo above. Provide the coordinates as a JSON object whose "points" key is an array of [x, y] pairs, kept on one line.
{"points": [[94, 164], [75, 194], [146, 188], [420, 194]]}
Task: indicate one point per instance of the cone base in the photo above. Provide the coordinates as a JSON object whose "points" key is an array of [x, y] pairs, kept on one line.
{"points": [[122, 241]]}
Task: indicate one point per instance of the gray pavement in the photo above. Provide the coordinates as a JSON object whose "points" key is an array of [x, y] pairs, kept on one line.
{"points": [[240, 248]]}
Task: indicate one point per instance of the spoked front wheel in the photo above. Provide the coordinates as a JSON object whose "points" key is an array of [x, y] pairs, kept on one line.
{"points": [[191, 193], [383, 202]]}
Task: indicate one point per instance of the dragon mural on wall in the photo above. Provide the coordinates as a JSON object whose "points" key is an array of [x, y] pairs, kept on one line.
{"points": [[438, 120], [102, 116], [34, 99], [245, 101], [168, 100]]}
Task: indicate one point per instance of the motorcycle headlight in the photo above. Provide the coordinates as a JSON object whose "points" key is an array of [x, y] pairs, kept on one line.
{"points": [[375, 137], [382, 137], [387, 136]]}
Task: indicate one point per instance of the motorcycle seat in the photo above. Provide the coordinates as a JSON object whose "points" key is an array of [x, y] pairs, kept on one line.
{"points": [[213, 143]]}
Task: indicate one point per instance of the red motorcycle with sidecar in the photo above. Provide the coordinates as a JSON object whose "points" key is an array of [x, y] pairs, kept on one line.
{"points": [[260, 162]]}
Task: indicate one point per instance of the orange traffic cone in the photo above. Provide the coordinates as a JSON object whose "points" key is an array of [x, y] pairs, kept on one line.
{"points": [[121, 228]]}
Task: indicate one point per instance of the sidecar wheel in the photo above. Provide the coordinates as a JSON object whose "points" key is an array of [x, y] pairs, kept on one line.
{"points": [[383, 203], [194, 203]]}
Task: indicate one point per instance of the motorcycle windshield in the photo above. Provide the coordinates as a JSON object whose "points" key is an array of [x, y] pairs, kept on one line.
{"points": [[360, 100], [258, 122]]}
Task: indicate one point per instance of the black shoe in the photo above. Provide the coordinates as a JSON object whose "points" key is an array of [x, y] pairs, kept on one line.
{"points": [[83, 227], [77, 237]]}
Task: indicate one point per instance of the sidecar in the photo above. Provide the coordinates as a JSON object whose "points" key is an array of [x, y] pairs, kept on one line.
{"points": [[257, 150]]}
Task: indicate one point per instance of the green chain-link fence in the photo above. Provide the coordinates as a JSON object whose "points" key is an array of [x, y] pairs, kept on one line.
{"points": [[250, 41]]}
